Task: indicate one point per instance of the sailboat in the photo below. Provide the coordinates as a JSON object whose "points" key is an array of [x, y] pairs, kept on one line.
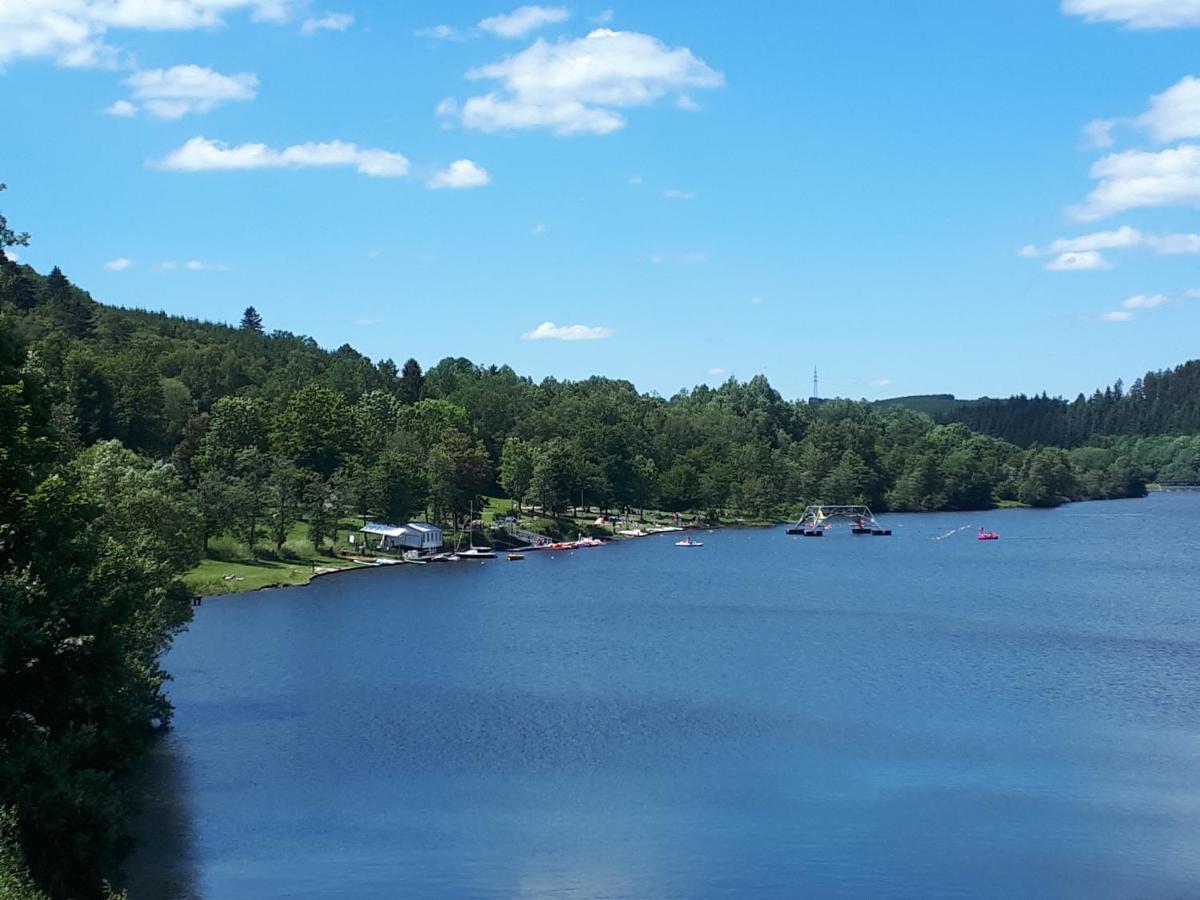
{"points": [[474, 552], [688, 542]]}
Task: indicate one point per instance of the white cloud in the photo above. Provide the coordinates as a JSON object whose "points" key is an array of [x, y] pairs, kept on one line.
{"points": [[523, 20], [1137, 14], [636, 180], [677, 194], [1175, 243], [367, 321], [755, 301], [462, 173], [1117, 315], [175, 92], [194, 265], [550, 331], [1144, 301], [1175, 113], [201, 154], [120, 264], [1141, 178], [717, 370], [880, 382], [1189, 294], [73, 32], [167, 265], [11, 254], [329, 22], [1099, 240], [1098, 133], [440, 32], [1078, 262], [1122, 238], [122, 109], [539, 228], [686, 103], [577, 86]]}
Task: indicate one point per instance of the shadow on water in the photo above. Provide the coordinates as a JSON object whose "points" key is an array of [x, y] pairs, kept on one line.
{"points": [[162, 864]]}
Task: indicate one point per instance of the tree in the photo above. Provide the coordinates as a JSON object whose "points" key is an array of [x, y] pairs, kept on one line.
{"points": [[8, 237], [516, 468], [458, 469], [411, 382], [315, 431], [251, 321], [90, 598]]}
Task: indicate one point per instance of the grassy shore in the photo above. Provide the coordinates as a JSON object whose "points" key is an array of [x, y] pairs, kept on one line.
{"points": [[229, 568]]}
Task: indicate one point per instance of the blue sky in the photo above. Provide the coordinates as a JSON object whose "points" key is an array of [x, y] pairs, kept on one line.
{"points": [[979, 198]]}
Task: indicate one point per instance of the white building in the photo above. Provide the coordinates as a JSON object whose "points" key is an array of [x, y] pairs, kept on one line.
{"points": [[419, 536]]}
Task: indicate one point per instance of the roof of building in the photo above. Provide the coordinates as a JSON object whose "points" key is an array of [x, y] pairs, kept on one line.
{"points": [[422, 526], [383, 528]]}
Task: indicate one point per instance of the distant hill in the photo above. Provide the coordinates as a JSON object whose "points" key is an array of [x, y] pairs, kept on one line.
{"points": [[931, 404]]}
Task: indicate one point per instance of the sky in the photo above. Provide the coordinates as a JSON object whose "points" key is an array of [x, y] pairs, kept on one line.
{"points": [[977, 198]]}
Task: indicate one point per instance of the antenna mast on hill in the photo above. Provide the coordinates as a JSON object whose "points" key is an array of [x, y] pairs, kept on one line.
{"points": [[815, 394]]}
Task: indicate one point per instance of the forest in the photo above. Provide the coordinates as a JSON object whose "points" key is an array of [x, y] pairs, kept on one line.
{"points": [[130, 439]]}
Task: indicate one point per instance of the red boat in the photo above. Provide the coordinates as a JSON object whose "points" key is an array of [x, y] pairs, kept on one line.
{"points": [[987, 536]]}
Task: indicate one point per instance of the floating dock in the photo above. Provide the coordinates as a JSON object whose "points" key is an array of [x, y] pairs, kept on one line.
{"points": [[818, 518]]}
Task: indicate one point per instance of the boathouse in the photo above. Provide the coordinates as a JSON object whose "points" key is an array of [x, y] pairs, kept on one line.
{"points": [[413, 536]]}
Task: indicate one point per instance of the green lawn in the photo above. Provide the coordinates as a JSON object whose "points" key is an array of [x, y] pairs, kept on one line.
{"points": [[229, 568]]}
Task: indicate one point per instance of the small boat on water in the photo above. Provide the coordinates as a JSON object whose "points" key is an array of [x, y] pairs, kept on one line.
{"points": [[987, 536], [477, 553], [688, 542], [516, 556]]}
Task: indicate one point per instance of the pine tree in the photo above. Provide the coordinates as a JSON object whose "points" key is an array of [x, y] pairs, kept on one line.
{"points": [[252, 321], [411, 382]]}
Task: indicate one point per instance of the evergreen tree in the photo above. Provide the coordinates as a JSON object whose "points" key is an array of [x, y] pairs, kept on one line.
{"points": [[252, 321]]}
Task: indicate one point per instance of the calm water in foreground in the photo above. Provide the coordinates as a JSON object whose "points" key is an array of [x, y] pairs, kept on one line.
{"points": [[764, 716]]}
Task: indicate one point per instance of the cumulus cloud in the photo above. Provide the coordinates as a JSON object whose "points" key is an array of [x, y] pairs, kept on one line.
{"points": [[550, 331], [1099, 240], [1170, 116], [175, 92], [336, 21], [523, 20], [1122, 238], [122, 109], [73, 32], [1078, 262], [1098, 133], [1117, 315], [1175, 113], [1137, 14], [440, 32], [462, 173], [120, 264], [1140, 178], [1144, 301], [201, 155], [578, 86]]}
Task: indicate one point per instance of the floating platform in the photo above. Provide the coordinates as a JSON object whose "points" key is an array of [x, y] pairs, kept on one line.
{"points": [[861, 519]]}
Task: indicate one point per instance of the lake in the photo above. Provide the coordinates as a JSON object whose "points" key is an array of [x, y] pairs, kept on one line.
{"points": [[766, 716]]}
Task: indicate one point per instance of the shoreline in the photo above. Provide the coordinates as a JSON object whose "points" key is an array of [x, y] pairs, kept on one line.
{"points": [[355, 565]]}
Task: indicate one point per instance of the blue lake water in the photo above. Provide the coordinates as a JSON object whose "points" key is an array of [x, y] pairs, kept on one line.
{"points": [[765, 716]]}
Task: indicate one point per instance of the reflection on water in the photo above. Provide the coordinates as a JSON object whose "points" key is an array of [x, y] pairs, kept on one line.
{"points": [[765, 716], [163, 866]]}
